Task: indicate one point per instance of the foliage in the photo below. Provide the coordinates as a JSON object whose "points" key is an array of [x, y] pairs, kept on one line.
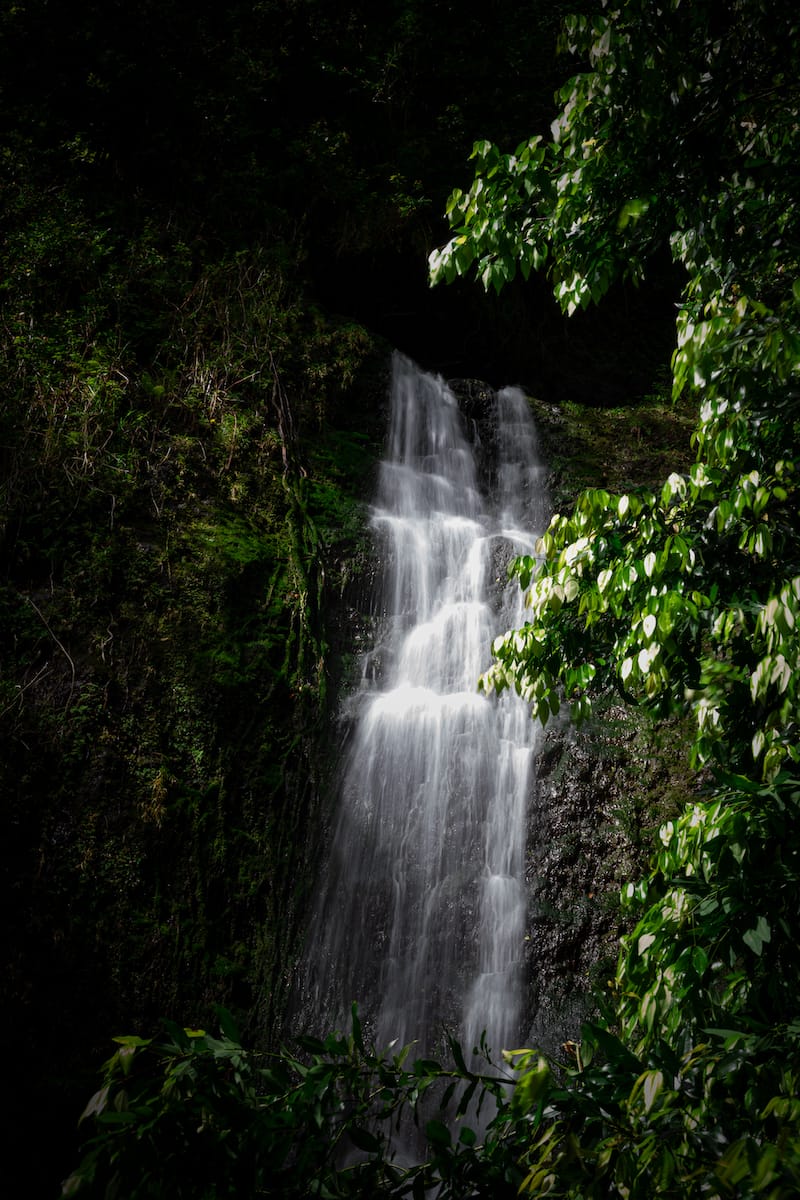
{"points": [[684, 122], [689, 1086], [194, 1115], [196, 202], [717, 1118], [681, 132], [657, 579], [691, 591], [162, 390], [167, 571]]}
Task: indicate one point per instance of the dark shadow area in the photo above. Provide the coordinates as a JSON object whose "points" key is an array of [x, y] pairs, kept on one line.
{"points": [[608, 355]]}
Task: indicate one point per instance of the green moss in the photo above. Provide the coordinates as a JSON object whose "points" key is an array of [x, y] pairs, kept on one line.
{"points": [[618, 448], [175, 507]]}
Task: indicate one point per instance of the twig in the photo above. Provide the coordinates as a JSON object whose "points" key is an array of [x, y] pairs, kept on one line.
{"points": [[61, 647], [40, 674]]}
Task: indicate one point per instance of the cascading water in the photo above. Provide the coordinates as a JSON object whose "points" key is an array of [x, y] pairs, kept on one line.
{"points": [[421, 916]]}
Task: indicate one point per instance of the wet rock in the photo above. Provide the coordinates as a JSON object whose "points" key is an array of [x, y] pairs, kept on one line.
{"points": [[601, 792]]}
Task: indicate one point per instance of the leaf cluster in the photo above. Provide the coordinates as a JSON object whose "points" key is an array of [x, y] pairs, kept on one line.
{"points": [[679, 123], [198, 1115], [680, 131]]}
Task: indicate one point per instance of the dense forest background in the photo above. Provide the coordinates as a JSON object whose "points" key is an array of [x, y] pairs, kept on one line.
{"points": [[216, 224]]}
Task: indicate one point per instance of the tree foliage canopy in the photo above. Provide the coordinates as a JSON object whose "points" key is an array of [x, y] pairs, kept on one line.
{"points": [[682, 131]]}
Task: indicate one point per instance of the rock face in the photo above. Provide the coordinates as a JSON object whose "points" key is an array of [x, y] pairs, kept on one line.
{"points": [[602, 792], [599, 793]]}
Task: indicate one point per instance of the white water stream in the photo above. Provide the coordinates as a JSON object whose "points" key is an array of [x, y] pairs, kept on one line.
{"points": [[421, 915]]}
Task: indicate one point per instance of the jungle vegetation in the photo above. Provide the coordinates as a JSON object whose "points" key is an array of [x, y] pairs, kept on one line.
{"points": [[215, 225], [170, 371]]}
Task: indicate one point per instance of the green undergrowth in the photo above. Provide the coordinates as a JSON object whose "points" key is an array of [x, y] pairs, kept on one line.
{"points": [[186, 443], [200, 1115]]}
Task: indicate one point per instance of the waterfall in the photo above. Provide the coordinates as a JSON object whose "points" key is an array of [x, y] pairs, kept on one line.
{"points": [[421, 915]]}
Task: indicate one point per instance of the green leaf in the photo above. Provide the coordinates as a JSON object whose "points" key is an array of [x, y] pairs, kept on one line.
{"points": [[358, 1037], [645, 942], [363, 1139], [228, 1025], [438, 1133], [652, 1086], [756, 938], [427, 1066], [466, 1098], [458, 1055], [311, 1044], [117, 1118], [699, 960], [96, 1105]]}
